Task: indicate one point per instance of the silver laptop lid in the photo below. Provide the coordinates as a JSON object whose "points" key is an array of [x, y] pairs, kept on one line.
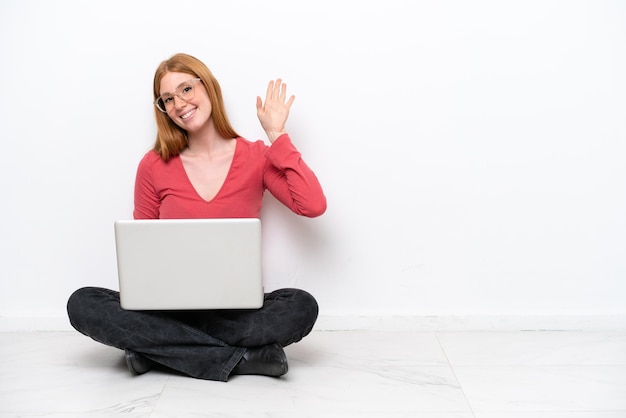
{"points": [[189, 264]]}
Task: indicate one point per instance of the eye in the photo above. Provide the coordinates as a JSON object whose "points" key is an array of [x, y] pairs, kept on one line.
{"points": [[167, 99], [186, 89]]}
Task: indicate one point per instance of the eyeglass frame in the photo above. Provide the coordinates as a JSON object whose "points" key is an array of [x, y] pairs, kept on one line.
{"points": [[176, 93]]}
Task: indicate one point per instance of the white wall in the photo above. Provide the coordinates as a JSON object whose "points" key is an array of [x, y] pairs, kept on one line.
{"points": [[472, 152]]}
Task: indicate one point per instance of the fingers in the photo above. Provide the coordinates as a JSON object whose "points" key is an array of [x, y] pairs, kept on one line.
{"points": [[280, 90], [270, 91], [277, 90]]}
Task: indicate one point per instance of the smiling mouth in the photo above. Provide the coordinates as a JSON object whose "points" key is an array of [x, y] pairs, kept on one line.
{"points": [[187, 115]]}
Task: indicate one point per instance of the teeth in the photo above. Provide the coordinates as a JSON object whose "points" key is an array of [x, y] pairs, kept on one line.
{"points": [[186, 115]]}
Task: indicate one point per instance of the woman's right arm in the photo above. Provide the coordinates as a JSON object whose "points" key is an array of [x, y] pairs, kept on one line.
{"points": [[147, 201]]}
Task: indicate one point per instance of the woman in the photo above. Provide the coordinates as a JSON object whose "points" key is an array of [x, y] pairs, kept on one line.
{"points": [[201, 168]]}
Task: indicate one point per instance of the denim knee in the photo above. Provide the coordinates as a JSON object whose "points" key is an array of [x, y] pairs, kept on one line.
{"points": [[75, 304], [83, 304], [302, 310], [309, 306]]}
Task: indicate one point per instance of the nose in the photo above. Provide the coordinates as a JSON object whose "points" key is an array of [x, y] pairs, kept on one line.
{"points": [[179, 102]]}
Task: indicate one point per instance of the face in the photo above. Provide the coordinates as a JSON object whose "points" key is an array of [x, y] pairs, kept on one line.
{"points": [[191, 114]]}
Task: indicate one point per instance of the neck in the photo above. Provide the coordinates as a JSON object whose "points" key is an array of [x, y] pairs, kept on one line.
{"points": [[207, 145], [205, 141]]}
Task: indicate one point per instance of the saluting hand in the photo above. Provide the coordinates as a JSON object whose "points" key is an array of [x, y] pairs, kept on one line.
{"points": [[273, 114]]}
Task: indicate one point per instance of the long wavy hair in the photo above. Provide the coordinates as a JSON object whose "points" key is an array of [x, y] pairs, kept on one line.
{"points": [[172, 139]]}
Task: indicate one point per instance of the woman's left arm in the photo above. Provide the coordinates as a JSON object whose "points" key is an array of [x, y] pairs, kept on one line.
{"points": [[291, 181], [285, 174]]}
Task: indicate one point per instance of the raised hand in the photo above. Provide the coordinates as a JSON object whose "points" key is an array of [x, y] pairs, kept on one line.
{"points": [[274, 112]]}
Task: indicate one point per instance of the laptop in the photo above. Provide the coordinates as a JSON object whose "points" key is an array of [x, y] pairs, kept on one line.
{"points": [[182, 264]]}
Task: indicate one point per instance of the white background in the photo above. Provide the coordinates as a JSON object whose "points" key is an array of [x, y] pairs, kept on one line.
{"points": [[472, 152]]}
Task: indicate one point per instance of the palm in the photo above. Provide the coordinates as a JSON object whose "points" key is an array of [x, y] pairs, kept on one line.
{"points": [[274, 112]]}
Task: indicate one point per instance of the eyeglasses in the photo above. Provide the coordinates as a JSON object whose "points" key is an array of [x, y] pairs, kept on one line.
{"points": [[185, 91]]}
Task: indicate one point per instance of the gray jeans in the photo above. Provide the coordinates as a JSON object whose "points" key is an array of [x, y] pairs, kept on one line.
{"points": [[204, 344]]}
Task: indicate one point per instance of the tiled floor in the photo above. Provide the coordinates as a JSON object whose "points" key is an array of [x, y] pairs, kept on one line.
{"points": [[333, 374]]}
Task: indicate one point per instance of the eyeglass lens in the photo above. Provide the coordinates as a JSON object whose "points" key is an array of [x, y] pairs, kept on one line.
{"points": [[184, 91]]}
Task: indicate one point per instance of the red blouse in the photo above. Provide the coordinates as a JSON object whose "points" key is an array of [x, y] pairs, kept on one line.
{"points": [[163, 190]]}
